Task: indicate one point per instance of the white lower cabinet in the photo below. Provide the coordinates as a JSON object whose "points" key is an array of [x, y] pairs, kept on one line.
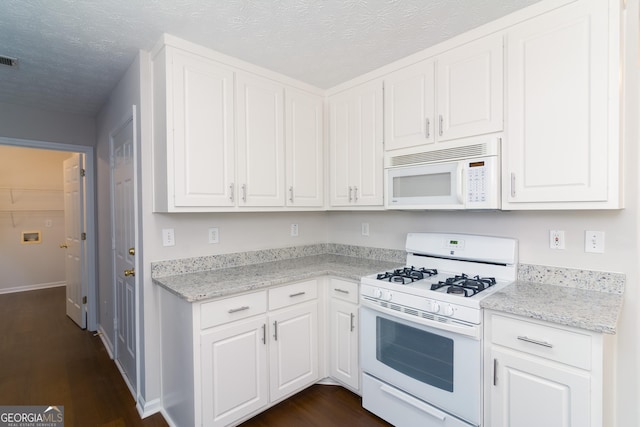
{"points": [[234, 371], [226, 360], [542, 374], [344, 363]]}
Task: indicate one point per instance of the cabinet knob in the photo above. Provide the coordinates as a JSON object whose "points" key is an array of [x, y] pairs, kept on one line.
{"points": [[128, 273], [132, 251], [63, 246]]}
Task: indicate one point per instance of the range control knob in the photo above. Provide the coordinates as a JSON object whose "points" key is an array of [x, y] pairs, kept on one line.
{"points": [[435, 307], [449, 310], [387, 295], [377, 293]]}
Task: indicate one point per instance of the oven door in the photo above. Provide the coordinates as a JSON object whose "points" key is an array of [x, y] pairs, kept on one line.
{"points": [[439, 367]]}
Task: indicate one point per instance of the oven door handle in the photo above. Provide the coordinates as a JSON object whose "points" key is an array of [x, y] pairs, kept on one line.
{"points": [[414, 402]]}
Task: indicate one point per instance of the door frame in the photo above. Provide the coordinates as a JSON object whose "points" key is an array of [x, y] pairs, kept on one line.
{"points": [[90, 215], [129, 117]]}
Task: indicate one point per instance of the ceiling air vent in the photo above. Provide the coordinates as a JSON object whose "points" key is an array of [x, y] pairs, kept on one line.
{"points": [[9, 62]]}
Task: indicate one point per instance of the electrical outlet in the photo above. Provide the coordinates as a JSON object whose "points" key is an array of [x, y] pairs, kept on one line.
{"points": [[594, 241], [556, 239], [48, 223], [365, 228], [168, 237], [294, 230], [213, 235]]}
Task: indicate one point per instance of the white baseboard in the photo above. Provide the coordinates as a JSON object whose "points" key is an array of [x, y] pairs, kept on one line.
{"points": [[32, 287], [146, 409], [106, 341]]}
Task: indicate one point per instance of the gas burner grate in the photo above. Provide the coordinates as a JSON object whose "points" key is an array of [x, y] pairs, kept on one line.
{"points": [[407, 275], [464, 285]]}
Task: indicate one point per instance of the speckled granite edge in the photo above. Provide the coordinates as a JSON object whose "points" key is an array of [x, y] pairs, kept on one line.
{"points": [[213, 262], [600, 281]]}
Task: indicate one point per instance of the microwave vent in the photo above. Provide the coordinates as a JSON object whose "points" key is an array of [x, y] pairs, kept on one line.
{"points": [[474, 150]]}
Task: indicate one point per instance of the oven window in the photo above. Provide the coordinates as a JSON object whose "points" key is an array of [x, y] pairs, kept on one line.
{"points": [[421, 355]]}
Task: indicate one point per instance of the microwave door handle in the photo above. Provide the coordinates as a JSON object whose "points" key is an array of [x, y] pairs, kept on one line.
{"points": [[460, 189]]}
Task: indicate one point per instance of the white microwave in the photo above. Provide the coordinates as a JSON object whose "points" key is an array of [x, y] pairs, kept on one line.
{"points": [[465, 177]]}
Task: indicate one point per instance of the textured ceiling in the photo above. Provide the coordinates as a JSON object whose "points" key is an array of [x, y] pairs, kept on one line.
{"points": [[73, 52]]}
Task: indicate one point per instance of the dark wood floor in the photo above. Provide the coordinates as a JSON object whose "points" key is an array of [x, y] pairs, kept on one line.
{"points": [[318, 406], [45, 359]]}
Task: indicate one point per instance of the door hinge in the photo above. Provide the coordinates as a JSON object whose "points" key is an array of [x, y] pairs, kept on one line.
{"points": [[83, 172], [84, 299], [83, 236]]}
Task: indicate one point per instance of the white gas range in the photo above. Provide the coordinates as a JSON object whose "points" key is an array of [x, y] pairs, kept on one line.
{"points": [[421, 329]]}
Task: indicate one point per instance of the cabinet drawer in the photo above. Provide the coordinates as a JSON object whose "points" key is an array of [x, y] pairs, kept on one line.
{"points": [[292, 294], [553, 343], [227, 310], [343, 290]]}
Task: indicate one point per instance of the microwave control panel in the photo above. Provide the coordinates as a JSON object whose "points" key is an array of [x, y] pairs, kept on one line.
{"points": [[477, 182]]}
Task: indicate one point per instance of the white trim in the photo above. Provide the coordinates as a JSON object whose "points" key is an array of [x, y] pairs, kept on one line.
{"points": [[35, 287], [90, 215], [105, 341], [146, 409]]}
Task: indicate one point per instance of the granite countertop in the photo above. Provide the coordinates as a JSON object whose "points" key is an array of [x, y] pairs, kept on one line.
{"points": [[581, 308], [228, 281]]}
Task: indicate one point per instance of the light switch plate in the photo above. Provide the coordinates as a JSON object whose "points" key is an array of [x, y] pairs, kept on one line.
{"points": [[214, 236], [594, 241]]}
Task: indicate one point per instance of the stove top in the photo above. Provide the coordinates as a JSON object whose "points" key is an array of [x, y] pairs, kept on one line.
{"points": [[446, 274]]}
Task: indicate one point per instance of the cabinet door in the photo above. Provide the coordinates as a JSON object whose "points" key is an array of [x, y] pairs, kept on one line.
{"points": [[469, 89], [293, 353], [340, 125], [557, 93], [533, 392], [344, 363], [366, 145], [201, 108], [234, 371], [304, 148], [260, 163], [409, 104]]}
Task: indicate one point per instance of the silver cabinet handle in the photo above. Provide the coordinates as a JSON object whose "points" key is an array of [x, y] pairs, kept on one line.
{"points": [[441, 121], [428, 126], [355, 194], [264, 333], [350, 198], [297, 294], [244, 193], [513, 184], [235, 310], [342, 291], [536, 342], [352, 325], [275, 330], [291, 194], [231, 192], [495, 371]]}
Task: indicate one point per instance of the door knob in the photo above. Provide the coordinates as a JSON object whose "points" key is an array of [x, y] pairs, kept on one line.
{"points": [[131, 272], [63, 246], [132, 251]]}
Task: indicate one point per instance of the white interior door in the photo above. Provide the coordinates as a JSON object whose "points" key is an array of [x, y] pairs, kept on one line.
{"points": [[122, 153], [74, 244]]}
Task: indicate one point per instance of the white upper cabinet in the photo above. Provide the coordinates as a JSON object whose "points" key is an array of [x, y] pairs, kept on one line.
{"points": [[562, 145], [219, 135], [455, 95], [304, 148], [469, 89], [260, 142], [409, 106], [356, 146], [193, 132]]}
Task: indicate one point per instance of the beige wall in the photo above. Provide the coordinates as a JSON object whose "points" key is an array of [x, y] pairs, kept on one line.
{"points": [[31, 266]]}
